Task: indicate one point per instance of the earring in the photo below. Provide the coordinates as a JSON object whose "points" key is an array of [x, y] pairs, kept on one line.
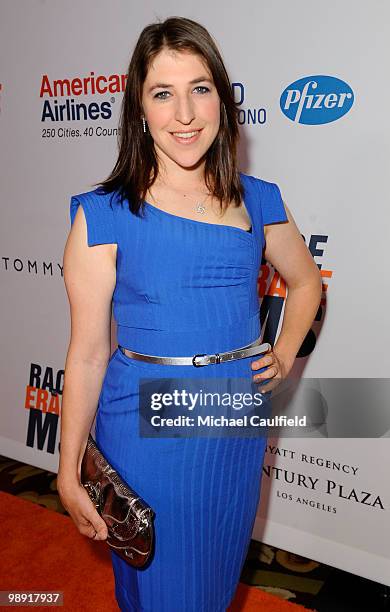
{"points": [[144, 124]]}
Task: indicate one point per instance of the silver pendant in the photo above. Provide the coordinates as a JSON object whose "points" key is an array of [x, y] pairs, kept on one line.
{"points": [[200, 208]]}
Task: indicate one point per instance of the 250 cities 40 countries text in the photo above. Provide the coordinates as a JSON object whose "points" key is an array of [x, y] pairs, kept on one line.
{"points": [[67, 132]]}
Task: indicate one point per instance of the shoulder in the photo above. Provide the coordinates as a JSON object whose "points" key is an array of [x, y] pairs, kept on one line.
{"points": [[96, 201], [99, 214], [269, 196], [263, 185]]}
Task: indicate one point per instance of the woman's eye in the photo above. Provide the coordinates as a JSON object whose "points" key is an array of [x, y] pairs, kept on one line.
{"points": [[203, 87], [159, 95]]}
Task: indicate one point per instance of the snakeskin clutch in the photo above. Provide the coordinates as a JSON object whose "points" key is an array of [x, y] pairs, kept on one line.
{"points": [[127, 516]]}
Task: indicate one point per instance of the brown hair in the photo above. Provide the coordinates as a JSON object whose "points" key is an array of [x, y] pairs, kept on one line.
{"points": [[136, 167]]}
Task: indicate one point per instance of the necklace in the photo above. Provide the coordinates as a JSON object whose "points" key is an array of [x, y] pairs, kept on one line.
{"points": [[200, 207]]}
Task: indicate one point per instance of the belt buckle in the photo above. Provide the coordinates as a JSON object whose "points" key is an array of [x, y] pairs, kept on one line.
{"points": [[198, 365], [201, 365]]}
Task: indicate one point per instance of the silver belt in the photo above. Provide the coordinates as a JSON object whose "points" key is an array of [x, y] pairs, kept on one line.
{"points": [[203, 359]]}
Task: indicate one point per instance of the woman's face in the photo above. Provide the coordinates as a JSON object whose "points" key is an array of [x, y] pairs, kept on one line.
{"points": [[173, 102]]}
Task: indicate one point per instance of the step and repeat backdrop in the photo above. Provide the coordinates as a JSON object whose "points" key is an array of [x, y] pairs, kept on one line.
{"points": [[310, 80]]}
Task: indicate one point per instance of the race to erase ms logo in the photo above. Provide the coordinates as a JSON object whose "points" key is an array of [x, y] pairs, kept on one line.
{"points": [[315, 100]]}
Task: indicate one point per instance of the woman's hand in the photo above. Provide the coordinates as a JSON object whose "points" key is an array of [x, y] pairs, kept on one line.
{"points": [[277, 368], [77, 502]]}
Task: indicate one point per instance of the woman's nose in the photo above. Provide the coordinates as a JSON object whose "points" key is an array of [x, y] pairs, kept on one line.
{"points": [[184, 111]]}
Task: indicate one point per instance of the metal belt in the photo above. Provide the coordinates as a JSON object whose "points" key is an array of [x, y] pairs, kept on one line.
{"points": [[255, 348]]}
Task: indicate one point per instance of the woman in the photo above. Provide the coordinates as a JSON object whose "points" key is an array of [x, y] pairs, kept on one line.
{"points": [[178, 236]]}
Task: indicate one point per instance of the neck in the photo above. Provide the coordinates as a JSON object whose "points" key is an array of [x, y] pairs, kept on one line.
{"points": [[183, 179]]}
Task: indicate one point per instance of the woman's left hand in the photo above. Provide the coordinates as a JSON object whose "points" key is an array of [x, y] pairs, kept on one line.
{"points": [[277, 368]]}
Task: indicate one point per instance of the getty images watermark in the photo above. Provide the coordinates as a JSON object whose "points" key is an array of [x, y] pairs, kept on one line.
{"points": [[184, 407], [297, 407]]}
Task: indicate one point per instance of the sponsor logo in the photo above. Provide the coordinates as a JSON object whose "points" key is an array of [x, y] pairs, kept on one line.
{"points": [[61, 97], [315, 100], [254, 115], [272, 291], [43, 402]]}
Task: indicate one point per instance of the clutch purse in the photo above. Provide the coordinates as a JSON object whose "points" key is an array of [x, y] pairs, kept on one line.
{"points": [[127, 516]]}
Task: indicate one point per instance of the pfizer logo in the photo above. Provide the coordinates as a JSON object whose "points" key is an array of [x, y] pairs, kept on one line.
{"points": [[315, 100]]}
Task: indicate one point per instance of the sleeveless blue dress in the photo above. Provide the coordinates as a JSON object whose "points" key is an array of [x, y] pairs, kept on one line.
{"points": [[183, 287]]}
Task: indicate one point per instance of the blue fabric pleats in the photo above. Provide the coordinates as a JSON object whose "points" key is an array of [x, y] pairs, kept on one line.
{"points": [[183, 287]]}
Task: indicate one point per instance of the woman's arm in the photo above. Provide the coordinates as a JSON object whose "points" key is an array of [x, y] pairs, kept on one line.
{"points": [[90, 276], [288, 253]]}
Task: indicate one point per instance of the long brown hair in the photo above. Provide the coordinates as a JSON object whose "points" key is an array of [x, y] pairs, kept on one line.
{"points": [[136, 168]]}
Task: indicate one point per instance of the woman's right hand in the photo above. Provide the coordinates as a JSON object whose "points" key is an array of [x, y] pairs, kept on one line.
{"points": [[77, 502]]}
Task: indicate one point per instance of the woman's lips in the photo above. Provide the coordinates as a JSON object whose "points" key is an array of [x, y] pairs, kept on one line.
{"points": [[187, 141]]}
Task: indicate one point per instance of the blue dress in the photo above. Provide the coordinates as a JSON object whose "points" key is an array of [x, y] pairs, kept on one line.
{"points": [[183, 287]]}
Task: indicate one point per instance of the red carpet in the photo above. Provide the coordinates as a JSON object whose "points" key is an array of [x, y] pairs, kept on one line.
{"points": [[42, 550]]}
